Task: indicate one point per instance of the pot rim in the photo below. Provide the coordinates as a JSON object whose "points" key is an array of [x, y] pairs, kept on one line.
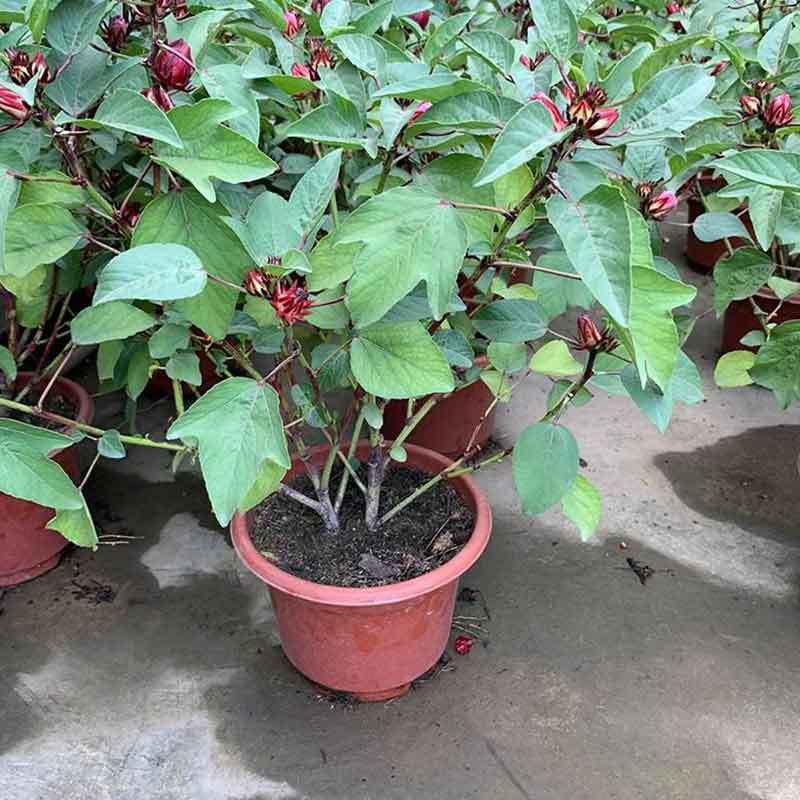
{"points": [[76, 393], [326, 594]]}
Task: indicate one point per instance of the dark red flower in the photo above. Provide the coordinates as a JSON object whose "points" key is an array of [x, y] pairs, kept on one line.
{"points": [[559, 123], [419, 111], [130, 215], [644, 190], [463, 644], [19, 66], [608, 12], [114, 32], [601, 121], [291, 302], [174, 67], [589, 337], [673, 7], [320, 55], [257, 283], [779, 112], [662, 205], [159, 97], [750, 105], [318, 6], [532, 63], [292, 24], [719, 68], [41, 69], [302, 71], [13, 105], [422, 18], [762, 87]]}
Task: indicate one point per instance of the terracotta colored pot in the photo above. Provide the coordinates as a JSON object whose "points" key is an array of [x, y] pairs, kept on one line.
{"points": [[371, 642], [27, 548], [448, 426], [739, 318]]}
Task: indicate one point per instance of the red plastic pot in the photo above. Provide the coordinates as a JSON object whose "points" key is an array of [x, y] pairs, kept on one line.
{"points": [[372, 641], [27, 548], [740, 319], [448, 426]]}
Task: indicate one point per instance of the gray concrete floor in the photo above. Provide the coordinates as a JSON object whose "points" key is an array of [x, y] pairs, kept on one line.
{"points": [[591, 686]]}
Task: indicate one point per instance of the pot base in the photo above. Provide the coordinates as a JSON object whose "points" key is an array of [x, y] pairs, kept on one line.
{"points": [[29, 573], [384, 694]]}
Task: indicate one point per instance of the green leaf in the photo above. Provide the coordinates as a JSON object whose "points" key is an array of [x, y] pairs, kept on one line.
{"points": [[313, 192], [38, 234], [583, 506], [73, 24], [324, 124], [409, 236], [268, 482], [556, 26], [237, 425], [138, 372], [732, 369], [444, 34], [211, 150], [108, 354], [28, 474], [167, 340], [666, 99], [127, 110], [7, 364], [363, 52], [109, 321], [228, 82], [772, 47], [336, 14], [432, 88], [155, 272], [186, 218], [109, 445], [507, 356], [777, 365], [64, 194], [554, 358], [185, 366], [8, 192], [373, 18], [528, 133], [475, 111], [716, 225], [492, 48], [765, 207], [776, 169], [36, 13], [398, 361], [513, 320], [268, 230], [545, 465], [654, 403], [596, 233], [32, 438], [740, 276], [455, 347], [664, 56], [783, 288], [75, 525]]}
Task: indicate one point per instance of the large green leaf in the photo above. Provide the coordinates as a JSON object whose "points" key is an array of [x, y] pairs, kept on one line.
{"points": [[73, 24], [36, 13], [109, 321], [326, 125], [740, 276], [554, 358], [211, 150], [764, 207], [156, 272], [528, 133], [493, 49], [511, 320], [409, 236], [557, 27], [32, 438], [777, 364], [772, 47], [269, 230], [313, 192], [432, 88], [227, 82], [545, 465], [186, 218], [582, 505], [38, 234], [238, 427], [732, 369], [444, 34], [777, 169], [8, 191], [398, 361], [75, 525], [475, 111], [129, 111], [715, 225], [363, 52], [666, 99], [596, 233]]}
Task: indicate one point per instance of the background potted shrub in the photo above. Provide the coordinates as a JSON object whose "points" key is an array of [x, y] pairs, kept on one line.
{"points": [[323, 186]]}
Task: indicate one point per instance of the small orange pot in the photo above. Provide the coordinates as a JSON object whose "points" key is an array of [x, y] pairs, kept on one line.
{"points": [[371, 641], [27, 548]]}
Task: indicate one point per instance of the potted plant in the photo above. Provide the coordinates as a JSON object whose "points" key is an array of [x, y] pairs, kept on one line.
{"points": [[307, 195]]}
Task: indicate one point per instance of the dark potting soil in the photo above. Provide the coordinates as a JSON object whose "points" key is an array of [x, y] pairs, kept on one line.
{"points": [[54, 403], [426, 534]]}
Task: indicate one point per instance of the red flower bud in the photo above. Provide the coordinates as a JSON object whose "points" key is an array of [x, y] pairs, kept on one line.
{"points": [[422, 18], [41, 69], [174, 67], [301, 71], [601, 121], [292, 24], [159, 97], [779, 112], [419, 111], [19, 66], [114, 32], [256, 283], [750, 105], [559, 123], [719, 68], [318, 6], [320, 55], [762, 87], [526, 61], [291, 303], [130, 215], [662, 205], [589, 337], [13, 105], [644, 190], [463, 644], [673, 7], [608, 12]]}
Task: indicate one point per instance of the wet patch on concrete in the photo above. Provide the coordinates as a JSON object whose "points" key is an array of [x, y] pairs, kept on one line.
{"points": [[750, 479]]}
